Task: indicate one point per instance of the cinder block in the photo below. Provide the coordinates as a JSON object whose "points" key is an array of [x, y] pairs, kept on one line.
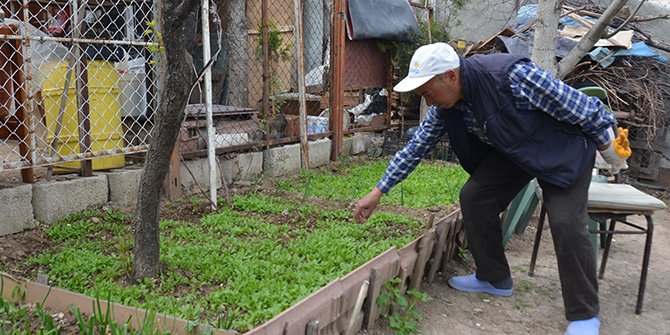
{"points": [[16, 212], [375, 146], [360, 143], [195, 176], [281, 161], [250, 166], [346, 146], [55, 200], [230, 167], [124, 185], [319, 152]]}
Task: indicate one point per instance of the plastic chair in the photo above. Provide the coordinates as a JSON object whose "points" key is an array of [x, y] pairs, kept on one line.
{"points": [[520, 211]]}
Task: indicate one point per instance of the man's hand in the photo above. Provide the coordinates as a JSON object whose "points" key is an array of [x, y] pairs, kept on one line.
{"points": [[367, 205], [617, 150]]}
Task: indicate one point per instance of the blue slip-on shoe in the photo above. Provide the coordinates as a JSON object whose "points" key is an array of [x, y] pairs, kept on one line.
{"points": [[470, 283], [584, 327]]}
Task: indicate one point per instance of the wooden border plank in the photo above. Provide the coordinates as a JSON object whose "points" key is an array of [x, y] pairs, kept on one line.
{"points": [[424, 250], [436, 261]]}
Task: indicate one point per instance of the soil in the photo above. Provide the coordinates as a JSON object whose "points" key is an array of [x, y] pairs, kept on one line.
{"points": [[537, 306]]}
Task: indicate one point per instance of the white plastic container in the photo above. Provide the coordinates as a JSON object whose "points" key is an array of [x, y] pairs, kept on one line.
{"points": [[133, 95]]}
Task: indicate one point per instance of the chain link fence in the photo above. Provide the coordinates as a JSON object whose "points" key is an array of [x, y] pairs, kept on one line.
{"points": [[78, 82], [81, 80], [255, 94]]}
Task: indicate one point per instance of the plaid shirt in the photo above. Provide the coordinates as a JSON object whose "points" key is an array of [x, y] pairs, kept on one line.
{"points": [[533, 89]]}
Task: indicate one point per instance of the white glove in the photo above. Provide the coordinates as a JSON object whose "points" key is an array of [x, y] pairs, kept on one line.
{"points": [[618, 150]]}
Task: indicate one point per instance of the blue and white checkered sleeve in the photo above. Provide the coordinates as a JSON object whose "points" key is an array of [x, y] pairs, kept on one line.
{"points": [[431, 129], [533, 87]]}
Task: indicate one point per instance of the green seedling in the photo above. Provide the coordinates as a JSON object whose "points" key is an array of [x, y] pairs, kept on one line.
{"points": [[401, 309]]}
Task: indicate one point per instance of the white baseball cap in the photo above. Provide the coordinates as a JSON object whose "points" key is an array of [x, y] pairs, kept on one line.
{"points": [[427, 62]]}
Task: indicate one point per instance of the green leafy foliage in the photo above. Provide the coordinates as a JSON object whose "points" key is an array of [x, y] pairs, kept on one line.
{"points": [[103, 322], [399, 308], [15, 318], [158, 46], [278, 50], [431, 184], [237, 268]]}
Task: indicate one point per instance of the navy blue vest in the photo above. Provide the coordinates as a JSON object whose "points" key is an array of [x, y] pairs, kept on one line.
{"points": [[546, 148]]}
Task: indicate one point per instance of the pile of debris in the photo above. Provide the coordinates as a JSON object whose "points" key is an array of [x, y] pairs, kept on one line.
{"points": [[627, 65]]}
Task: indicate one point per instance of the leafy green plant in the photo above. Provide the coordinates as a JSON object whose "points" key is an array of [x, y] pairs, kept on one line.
{"points": [[401, 308], [252, 260], [104, 323], [431, 184], [195, 201], [521, 304], [463, 254], [278, 50], [159, 46], [124, 249], [15, 318], [524, 286]]}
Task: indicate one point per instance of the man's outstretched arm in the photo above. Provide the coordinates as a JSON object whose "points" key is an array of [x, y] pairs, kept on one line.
{"points": [[430, 131]]}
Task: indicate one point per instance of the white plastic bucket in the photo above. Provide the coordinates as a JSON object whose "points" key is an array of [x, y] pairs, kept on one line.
{"points": [[133, 95]]}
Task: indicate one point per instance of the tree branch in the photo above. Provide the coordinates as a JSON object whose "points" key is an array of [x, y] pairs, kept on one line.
{"points": [[656, 44], [647, 18], [625, 22], [590, 39]]}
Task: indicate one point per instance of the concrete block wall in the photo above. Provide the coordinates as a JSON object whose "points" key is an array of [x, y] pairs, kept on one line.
{"points": [[281, 161], [47, 202], [123, 185], [16, 212], [194, 176], [319, 152], [242, 167], [54, 200]]}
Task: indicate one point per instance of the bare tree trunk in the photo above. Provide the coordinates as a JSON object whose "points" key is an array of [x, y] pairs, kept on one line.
{"points": [[544, 44], [177, 80], [238, 52], [587, 42]]}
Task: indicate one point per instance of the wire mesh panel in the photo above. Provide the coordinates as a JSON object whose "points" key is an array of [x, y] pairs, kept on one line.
{"points": [[256, 71], [79, 81]]}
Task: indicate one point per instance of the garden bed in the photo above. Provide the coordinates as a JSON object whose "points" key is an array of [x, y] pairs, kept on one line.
{"points": [[273, 246]]}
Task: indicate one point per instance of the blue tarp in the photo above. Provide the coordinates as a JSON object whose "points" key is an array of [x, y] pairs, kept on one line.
{"points": [[528, 12], [641, 49], [605, 56]]}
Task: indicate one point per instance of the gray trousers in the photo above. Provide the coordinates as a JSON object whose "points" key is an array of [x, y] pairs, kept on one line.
{"points": [[488, 192]]}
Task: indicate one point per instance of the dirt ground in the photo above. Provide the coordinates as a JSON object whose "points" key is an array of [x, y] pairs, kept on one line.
{"points": [[537, 307]]}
